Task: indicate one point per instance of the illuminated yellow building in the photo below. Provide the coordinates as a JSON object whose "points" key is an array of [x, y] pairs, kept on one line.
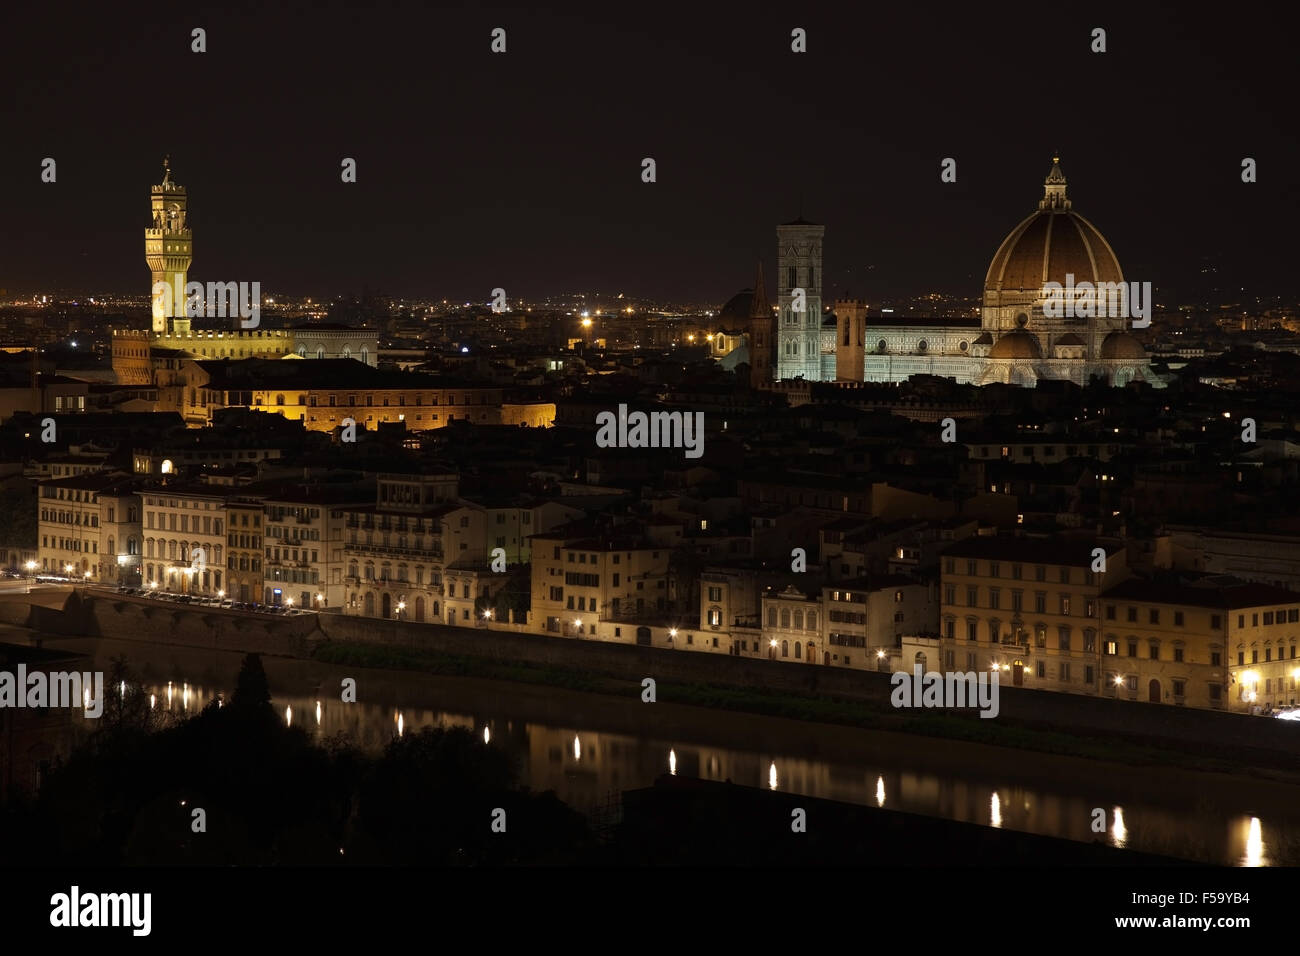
{"points": [[1207, 642], [1029, 606]]}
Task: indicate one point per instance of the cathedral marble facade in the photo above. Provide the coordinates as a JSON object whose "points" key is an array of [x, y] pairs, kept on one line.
{"points": [[1019, 338]]}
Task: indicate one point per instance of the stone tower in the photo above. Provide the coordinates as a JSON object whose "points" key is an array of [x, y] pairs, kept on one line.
{"points": [[799, 266], [850, 340], [760, 335], [168, 248]]}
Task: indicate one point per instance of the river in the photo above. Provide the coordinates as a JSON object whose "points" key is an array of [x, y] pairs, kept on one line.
{"points": [[589, 747]]}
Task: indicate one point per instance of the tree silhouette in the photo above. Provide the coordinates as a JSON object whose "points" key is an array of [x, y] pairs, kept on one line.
{"points": [[252, 689]]}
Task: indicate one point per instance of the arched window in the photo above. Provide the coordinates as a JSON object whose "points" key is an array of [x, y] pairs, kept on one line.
{"points": [[279, 399], [798, 620], [785, 648], [798, 650], [365, 354], [347, 351], [320, 351], [921, 661], [771, 617]]}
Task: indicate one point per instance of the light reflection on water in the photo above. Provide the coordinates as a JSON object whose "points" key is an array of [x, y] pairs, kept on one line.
{"points": [[585, 767]]}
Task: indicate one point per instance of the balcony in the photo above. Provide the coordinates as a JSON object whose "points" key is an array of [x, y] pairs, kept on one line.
{"points": [[424, 554]]}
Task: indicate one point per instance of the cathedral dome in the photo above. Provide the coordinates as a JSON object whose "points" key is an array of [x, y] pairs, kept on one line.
{"points": [[737, 308], [1016, 345], [1122, 345], [1048, 245]]}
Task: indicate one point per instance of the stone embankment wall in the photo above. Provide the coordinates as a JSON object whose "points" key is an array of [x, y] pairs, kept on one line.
{"points": [[141, 620]]}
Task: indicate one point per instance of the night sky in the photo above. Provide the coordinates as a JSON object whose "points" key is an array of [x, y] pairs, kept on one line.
{"points": [[522, 170]]}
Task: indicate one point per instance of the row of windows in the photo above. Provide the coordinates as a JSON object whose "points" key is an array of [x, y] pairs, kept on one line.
{"points": [[188, 524], [470, 398], [1027, 451], [169, 578], [1063, 603], [185, 551], [795, 620], [70, 517], [1153, 616], [1065, 575], [70, 544], [1268, 655], [182, 503], [1064, 636], [1280, 616], [385, 574], [582, 557]]}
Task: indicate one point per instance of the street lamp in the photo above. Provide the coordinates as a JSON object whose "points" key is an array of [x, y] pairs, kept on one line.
{"points": [[401, 606], [577, 624]]}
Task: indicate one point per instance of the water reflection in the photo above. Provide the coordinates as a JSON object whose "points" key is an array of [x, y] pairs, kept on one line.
{"points": [[585, 766], [1118, 832], [1255, 844]]}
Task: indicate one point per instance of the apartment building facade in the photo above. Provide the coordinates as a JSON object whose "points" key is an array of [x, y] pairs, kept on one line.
{"points": [[184, 538], [88, 528], [1027, 606], [580, 579]]}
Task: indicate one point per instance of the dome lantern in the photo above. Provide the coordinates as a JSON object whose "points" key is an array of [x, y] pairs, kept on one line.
{"points": [[1054, 188]]}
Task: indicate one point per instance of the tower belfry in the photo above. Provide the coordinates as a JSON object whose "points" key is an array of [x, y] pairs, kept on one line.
{"points": [[799, 267], [168, 248]]}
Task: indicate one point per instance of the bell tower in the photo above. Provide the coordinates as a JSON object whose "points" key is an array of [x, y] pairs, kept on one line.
{"points": [[799, 268], [168, 248]]}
